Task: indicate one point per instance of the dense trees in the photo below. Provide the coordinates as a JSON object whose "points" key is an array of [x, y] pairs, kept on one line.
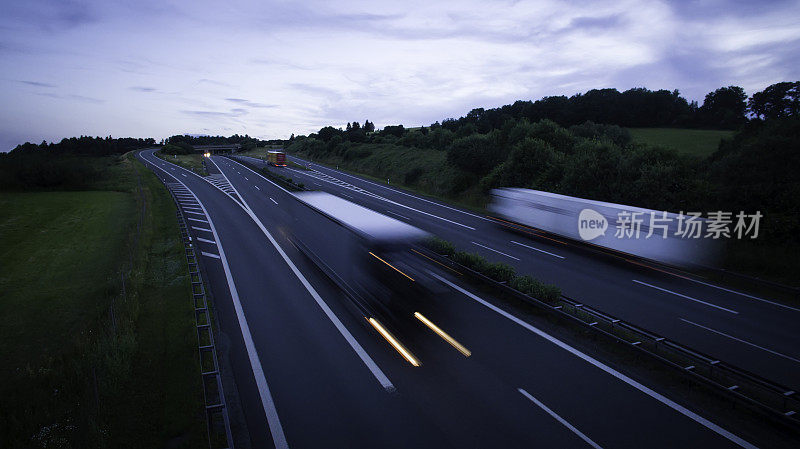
{"points": [[73, 163], [86, 146], [724, 108], [779, 100]]}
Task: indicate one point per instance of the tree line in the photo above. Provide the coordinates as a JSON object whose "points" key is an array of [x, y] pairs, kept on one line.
{"points": [[73, 163], [575, 151]]}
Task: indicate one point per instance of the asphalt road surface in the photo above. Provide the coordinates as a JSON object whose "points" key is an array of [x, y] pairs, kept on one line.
{"points": [[751, 332], [312, 372]]}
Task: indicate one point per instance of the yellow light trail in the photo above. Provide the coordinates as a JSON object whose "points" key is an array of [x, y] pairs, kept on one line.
{"points": [[393, 341], [443, 334], [393, 267]]}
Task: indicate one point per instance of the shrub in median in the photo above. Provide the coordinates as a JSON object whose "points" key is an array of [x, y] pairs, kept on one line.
{"points": [[535, 288], [440, 246], [499, 272]]}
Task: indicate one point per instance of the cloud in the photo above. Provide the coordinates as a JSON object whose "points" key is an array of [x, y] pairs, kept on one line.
{"points": [[251, 104], [236, 112], [74, 97], [37, 83], [293, 67]]}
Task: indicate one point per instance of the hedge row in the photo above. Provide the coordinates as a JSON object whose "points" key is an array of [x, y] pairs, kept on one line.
{"points": [[499, 272]]}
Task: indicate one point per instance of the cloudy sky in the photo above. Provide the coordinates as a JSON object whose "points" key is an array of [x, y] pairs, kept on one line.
{"points": [[271, 68]]}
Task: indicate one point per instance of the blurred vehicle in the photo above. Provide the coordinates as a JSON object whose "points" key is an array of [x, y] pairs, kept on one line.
{"points": [[276, 158], [367, 253], [565, 216]]}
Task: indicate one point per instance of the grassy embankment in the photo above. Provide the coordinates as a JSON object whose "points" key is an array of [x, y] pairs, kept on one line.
{"points": [[427, 171], [696, 142], [421, 170], [193, 162], [90, 361]]}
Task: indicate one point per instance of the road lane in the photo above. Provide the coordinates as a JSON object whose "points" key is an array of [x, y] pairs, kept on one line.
{"points": [[490, 377], [603, 282]]}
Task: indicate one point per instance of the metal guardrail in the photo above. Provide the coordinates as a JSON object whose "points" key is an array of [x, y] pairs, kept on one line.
{"points": [[738, 384], [217, 420]]}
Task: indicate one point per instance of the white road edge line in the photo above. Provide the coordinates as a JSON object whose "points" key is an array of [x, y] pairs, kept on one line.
{"points": [[687, 297], [537, 249], [560, 419], [742, 341], [402, 193], [362, 354], [231, 184], [275, 428], [644, 389], [492, 249], [376, 196], [745, 295], [395, 213], [209, 254]]}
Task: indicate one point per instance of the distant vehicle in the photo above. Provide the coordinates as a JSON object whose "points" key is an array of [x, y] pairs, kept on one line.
{"points": [[276, 158], [366, 251], [563, 215]]}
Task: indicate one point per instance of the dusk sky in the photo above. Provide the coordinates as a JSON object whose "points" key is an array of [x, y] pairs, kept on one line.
{"points": [[271, 68]]}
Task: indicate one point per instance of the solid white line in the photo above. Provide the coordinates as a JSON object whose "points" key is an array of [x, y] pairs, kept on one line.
{"points": [[209, 254], [245, 178], [206, 240], [196, 213], [491, 249], [402, 193], [201, 229], [195, 219], [231, 184], [359, 350], [742, 341], [273, 200], [745, 295], [262, 176], [560, 419], [275, 428], [376, 196], [395, 213], [596, 363], [192, 208], [684, 296], [537, 249], [257, 188]]}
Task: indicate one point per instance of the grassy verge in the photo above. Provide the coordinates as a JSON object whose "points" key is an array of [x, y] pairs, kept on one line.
{"points": [[421, 171], [259, 152], [98, 339], [695, 142], [193, 162]]}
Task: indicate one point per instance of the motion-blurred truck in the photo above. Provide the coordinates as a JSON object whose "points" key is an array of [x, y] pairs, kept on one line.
{"points": [[614, 227], [276, 158], [367, 253]]}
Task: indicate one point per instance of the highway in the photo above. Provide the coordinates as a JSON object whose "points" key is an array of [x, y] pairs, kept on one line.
{"points": [[312, 372], [754, 333]]}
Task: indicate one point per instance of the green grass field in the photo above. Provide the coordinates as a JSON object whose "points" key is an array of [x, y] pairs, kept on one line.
{"points": [[193, 162], [74, 374], [696, 142]]}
